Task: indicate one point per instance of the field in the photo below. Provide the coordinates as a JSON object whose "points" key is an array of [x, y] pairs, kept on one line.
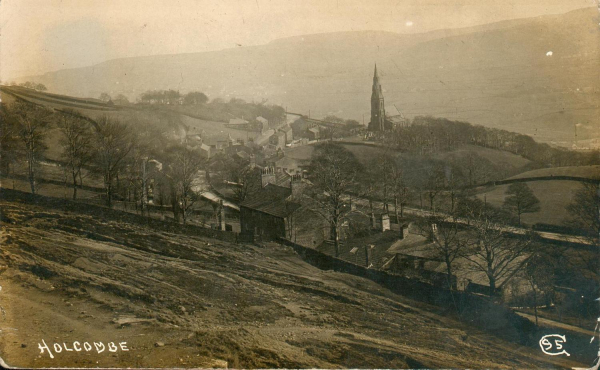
{"points": [[554, 196], [73, 273], [496, 164], [590, 172], [214, 128]]}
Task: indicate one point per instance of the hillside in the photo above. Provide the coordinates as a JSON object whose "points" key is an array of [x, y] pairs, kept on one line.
{"points": [[168, 119], [497, 75], [492, 163], [554, 197], [590, 172], [164, 292]]}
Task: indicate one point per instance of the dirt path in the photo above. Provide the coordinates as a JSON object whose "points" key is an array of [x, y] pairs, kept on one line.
{"points": [[555, 324]]}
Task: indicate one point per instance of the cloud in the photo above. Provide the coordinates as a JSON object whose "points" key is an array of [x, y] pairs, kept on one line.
{"points": [[549, 54], [409, 24]]}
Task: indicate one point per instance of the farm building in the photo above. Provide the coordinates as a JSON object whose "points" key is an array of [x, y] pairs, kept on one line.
{"points": [[267, 214]]}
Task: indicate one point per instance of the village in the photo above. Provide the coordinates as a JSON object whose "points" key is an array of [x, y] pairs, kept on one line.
{"points": [[192, 228]]}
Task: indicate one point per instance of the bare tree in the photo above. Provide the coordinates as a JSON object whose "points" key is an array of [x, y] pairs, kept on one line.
{"points": [[386, 166], [436, 183], [140, 168], [32, 125], [520, 199], [333, 171], [448, 241], [182, 167], [369, 186], [112, 142], [9, 140], [584, 211], [493, 250], [248, 179], [400, 191], [76, 144], [388, 177], [539, 274], [454, 190], [121, 100], [105, 97], [195, 98]]}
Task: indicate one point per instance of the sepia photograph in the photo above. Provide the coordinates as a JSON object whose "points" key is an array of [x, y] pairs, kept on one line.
{"points": [[300, 184]]}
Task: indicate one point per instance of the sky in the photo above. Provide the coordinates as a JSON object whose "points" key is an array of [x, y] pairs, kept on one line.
{"points": [[38, 36]]}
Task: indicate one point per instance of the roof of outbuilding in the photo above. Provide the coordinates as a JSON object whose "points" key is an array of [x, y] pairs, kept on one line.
{"points": [[272, 199], [353, 250]]}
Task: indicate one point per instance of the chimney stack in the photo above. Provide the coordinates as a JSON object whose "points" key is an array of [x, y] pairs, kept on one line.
{"points": [[296, 185], [221, 216], [432, 231], [403, 230], [268, 176]]}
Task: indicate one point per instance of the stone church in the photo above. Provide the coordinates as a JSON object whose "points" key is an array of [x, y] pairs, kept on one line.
{"points": [[379, 120]]}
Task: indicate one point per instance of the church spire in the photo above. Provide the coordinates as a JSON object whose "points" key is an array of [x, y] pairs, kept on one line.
{"points": [[377, 105]]}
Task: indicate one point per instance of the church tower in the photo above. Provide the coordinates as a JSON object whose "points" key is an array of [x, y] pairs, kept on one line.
{"points": [[377, 106]]}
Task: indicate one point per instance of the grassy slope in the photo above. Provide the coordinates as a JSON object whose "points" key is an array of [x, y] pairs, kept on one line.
{"points": [[554, 196], [416, 168], [500, 158], [167, 118], [72, 276], [592, 172]]}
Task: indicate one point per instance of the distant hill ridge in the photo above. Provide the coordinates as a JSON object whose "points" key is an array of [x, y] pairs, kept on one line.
{"points": [[498, 75]]}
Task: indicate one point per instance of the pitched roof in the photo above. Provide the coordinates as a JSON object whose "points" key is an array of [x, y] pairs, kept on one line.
{"points": [[288, 162], [220, 137], [353, 250], [414, 245], [237, 121], [272, 199], [242, 154]]}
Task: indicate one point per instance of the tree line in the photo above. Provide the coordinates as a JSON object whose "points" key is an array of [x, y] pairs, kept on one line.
{"points": [[130, 158], [30, 85], [427, 134], [198, 104]]}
